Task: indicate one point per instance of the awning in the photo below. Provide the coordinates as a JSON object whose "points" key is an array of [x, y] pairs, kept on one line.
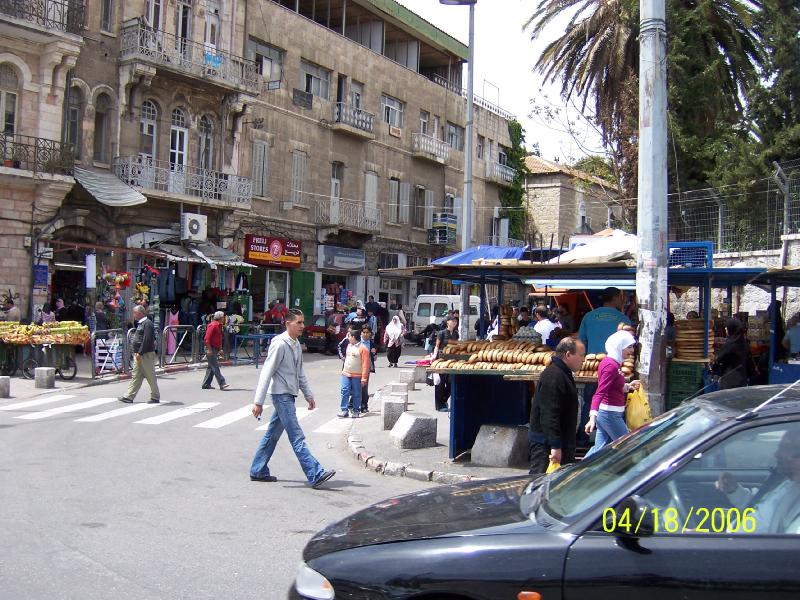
{"points": [[108, 189], [465, 257], [204, 253]]}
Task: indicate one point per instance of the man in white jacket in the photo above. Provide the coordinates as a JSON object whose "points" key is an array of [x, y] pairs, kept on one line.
{"points": [[282, 377]]}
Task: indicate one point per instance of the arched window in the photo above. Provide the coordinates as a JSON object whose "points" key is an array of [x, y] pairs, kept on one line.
{"points": [[206, 143], [73, 119], [178, 140], [9, 91], [148, 127], [102, 110]]}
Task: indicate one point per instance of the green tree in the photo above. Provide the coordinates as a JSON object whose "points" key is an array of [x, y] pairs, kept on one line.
{"points": [[598, 166], [512, 197]]}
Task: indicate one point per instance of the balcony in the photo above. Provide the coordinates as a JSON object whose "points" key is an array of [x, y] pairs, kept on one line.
{"points": [[429, 148], [498, 173], [179, 55], [355, 121], [476, 100], [36, 154], [56, 15], [496, 240], [347, 214], [190, 184]]}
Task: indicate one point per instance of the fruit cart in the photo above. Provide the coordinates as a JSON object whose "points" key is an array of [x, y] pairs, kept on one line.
{"points": [[47, 345]]}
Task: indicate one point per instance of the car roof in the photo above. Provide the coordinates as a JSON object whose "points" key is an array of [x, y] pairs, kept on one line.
{"points": [[740, 400]]}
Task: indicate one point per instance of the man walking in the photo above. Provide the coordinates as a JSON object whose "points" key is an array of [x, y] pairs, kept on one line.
{"points": [[554, 410], [143, 346], [282, 376], [213, 341]]}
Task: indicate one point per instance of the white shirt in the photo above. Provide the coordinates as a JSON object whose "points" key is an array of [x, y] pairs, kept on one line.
{"points": [[777, 512], [545, 328]]}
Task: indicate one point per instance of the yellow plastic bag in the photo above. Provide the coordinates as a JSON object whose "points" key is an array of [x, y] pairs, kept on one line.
{"points": [[552, 467], [637, 409]]}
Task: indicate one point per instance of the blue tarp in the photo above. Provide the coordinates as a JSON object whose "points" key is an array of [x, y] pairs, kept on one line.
{"points": [[465, 257]]}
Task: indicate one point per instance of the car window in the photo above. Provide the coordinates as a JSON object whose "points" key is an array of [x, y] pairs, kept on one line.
{"points": [[424, 309], [748, 483], [473, 310], [319, 321], [440, 309]]}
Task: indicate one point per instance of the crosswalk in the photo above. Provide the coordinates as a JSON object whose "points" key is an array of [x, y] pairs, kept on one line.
{"points": [[59, 405]]}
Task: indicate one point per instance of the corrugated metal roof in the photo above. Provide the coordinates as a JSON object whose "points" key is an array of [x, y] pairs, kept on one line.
{"points": [[108, 189]]}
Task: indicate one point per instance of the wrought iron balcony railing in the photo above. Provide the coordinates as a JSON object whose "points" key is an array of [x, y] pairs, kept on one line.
{"points": [[61, 15], [347, 114], [36, 154], [188, 57], [496, 171], [221, 189], [347, 214], [437, 150]]}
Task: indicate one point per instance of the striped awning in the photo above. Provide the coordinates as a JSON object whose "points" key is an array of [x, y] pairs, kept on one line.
{"points": [[108, 189]]}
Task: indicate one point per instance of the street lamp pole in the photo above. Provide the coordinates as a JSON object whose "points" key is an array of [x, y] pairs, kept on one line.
{"points": [[466, 203]]}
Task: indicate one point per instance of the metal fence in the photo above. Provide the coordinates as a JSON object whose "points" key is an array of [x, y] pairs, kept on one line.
{"points": [[39, 155], [739, 218], [62, 15], [108, 348]]}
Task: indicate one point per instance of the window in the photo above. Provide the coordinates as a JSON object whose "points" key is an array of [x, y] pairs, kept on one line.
{"points": [[314, 79], [107, 15], [153, 13], [388, 260], [299, 160], [440, 309], [268, 59], [392, 111], [419, 207], [449, 204], [74, 119], [102, 108], [394, 201], [502, 156], [455, 136], [260, 171], [9, 88], [424, 118], [206, 143], [424, 309], [371, 195], [416, 261], [148, 122], [481, 143], [356, 93]]}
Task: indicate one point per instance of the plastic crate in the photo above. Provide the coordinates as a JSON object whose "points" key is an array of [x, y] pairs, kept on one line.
{"points": [[685, 377]]}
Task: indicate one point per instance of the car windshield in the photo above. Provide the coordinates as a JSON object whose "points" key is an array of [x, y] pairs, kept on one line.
{"points": [[574, 490], [319, 321], [424, 309]]}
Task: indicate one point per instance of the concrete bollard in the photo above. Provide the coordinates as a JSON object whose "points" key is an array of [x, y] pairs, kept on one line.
{"points": [[45, 378], [420, 374], [396, 386], [414, 430], [501, 446], [407, 377], [5, 386], [393, 407]]}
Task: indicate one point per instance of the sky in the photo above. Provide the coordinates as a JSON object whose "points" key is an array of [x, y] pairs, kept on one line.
{"points": [[504, 61]]}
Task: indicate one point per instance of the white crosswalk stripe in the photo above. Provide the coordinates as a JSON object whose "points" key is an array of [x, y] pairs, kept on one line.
{"points": [[302, 413], [335, 426], [227, 418], [117, 412], [66, 409], [179, 413], [37, 402]]}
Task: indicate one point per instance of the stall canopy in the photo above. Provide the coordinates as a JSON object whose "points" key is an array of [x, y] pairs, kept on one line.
{"points": [[108, 189], [616, 245], [466, 257], [203, 252]]}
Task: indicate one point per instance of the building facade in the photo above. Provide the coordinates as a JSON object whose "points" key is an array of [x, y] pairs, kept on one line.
{"points": [[317, 139]]}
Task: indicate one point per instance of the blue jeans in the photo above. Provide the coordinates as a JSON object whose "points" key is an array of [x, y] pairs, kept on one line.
{"points": [[351, 386], [285, 418], [610, 426]]}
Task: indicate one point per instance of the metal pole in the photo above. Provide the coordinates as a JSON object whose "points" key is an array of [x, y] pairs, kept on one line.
{"points": [[651, 268], [466, 222]]}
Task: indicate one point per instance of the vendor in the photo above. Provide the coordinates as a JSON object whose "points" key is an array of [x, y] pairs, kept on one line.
{"points": [[11, 312], [447, 335]]}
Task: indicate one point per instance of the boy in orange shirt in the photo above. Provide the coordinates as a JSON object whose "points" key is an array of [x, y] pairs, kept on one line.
{"points": [[355, 373]]}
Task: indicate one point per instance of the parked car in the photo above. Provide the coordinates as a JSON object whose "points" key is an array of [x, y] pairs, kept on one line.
{"points": [[432, 308], [700, 503], [315, 333]]}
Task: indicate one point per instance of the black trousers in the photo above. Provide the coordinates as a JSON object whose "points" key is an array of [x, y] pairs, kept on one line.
{"points": [[393, 354], [540, 457], [442, 392]]}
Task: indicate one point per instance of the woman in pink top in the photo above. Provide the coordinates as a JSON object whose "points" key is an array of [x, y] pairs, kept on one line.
{"points": [[608, 403]]}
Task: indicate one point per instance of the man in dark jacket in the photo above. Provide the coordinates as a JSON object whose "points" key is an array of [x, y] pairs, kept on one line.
{"points": [[554, 411], [143, 347]]}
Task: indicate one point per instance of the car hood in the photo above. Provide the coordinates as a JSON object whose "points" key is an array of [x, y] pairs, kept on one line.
{"points": [[455, 509]]}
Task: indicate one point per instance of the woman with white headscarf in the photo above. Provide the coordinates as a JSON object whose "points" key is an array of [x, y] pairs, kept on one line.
{"points": [[393, 340], [608, 403]]}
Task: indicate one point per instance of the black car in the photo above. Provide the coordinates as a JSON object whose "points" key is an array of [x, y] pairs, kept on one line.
{"points": [[703, 502]]}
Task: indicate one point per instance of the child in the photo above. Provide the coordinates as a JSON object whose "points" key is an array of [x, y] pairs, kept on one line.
{"points": [[355, 373], [366, 340]]}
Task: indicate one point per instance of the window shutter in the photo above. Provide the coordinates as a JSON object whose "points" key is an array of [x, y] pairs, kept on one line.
{"points": [[405, 201], [503, 232], [458, 208], [259, 156], [298, 178], [371, 190], [394, 201], [428, 209]]}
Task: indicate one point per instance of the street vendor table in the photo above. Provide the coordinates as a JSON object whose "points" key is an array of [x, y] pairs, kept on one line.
{"points": [[240, 340]]}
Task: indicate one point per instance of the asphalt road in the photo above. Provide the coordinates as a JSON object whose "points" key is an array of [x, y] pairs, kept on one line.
{"points": [[112, 508]]}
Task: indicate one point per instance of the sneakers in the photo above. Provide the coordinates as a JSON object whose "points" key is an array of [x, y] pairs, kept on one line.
{"points": [[206, 387], [443, 409], [323, 478], [343, 415], [225, 386], [354, 414], [154, 401], [267, 479], [125, 400]]}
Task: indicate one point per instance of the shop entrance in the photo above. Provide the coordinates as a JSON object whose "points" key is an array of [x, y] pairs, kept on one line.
{"points": [[275, 286]]}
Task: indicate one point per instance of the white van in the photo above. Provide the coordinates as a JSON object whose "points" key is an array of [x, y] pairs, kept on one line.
{"points": [[432, 308]]}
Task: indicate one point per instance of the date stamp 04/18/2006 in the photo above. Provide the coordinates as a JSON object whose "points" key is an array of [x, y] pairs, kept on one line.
{"points": [[668, 520]]}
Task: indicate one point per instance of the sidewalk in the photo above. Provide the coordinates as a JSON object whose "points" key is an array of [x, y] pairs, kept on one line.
{"points": [[373, 446]]}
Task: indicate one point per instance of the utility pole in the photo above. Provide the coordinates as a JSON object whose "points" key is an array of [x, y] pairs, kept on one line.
{"points": [[651, 262]]}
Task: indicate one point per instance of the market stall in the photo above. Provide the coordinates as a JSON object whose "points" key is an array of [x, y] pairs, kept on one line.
{"points": [[47, 345]]}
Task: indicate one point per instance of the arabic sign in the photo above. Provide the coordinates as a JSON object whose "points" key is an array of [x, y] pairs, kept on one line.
{"points": [[272, 251]]}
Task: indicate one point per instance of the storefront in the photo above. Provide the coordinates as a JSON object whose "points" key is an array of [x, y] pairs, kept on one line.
{"points": [[342, 280], [278, 279]]}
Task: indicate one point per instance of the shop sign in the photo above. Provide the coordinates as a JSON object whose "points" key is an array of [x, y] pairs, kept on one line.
{"points": [[272, 251], [40, 273], [345, 259]]}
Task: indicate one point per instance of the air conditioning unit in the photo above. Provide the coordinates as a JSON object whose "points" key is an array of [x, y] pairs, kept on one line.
{"points": [[194, 227], [395, 131]]}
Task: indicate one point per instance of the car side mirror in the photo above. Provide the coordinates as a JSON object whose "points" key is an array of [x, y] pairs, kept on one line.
{"points": [[631, 518]]}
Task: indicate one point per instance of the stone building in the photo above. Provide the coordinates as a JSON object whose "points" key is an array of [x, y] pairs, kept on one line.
{"points": [[317, 139], [562, 202]]}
